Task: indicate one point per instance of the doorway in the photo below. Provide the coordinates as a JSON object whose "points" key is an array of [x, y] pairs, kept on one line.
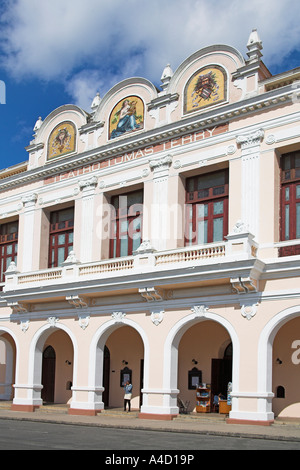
{"points": [[106, 369], [48, 375], [221, 372]]}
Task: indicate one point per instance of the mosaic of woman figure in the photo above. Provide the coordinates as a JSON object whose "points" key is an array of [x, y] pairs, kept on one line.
{"points": [[127, 119]]}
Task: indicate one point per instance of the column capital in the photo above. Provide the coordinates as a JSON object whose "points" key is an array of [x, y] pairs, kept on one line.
{"points": [[29, 200], [251, 139]]}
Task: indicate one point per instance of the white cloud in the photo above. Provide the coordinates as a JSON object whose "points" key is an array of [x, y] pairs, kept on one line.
{"points": [[85, 43]]}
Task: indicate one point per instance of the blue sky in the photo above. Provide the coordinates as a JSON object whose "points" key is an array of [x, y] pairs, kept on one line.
{"points": [[54, 52]]}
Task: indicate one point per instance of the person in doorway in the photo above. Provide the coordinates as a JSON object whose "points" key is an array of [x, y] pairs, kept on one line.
{"points": [[127, 395]]}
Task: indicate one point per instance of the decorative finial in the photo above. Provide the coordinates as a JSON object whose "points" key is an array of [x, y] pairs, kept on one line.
{"points": [[96, 101], [38, 124], [254, 47], [166, 76]]}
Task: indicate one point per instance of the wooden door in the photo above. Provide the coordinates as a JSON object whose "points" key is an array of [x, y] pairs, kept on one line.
{"points": [[106, 370], [141, 381], [48, 375], [221, 374]]}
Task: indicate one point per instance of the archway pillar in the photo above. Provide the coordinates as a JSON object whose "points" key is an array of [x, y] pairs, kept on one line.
{"points": [[27, 397], [86, 400], [27, 386], [251, 408], [87, 389], [159, 404]]}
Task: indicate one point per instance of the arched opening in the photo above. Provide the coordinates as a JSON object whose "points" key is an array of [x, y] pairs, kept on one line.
{"points": [[286, 370], [126, 354], [56, 367], [205, 347], [48, 375], [126, 341], [7, 366]]}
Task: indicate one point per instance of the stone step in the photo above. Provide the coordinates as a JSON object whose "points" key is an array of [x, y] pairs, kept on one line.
{"points": [[120, 413], [55, 408], [211, 417], [5, 405]]}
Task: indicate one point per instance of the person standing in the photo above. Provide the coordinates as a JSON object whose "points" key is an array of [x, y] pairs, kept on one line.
{"points": [[127, 395]]}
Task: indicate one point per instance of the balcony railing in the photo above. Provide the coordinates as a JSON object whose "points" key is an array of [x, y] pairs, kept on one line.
{"points": [[150, 260], [110, 266], [191, 254]]}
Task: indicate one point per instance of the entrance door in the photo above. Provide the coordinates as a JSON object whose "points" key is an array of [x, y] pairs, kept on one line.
{"points": [[141, 381], [221, 372], [106, 369], [48, 375]]}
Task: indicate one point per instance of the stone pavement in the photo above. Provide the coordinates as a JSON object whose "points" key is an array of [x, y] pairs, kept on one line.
{"points": [[212, 424]]}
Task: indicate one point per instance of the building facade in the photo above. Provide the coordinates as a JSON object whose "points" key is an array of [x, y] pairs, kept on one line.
{"points": [[157, 238]]}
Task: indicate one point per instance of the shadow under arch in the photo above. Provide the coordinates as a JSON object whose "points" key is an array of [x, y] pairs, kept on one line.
{"points": [[36, 358], [97, 354], [265, 353], [171, 352]]}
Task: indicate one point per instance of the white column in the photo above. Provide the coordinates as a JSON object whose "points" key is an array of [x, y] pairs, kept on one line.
{"points": [[159, 208], [28, 231], [250, 146], [87, 219]]}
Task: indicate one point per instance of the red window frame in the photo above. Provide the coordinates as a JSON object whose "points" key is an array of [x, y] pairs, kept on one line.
{"points": [[290, 202], [126, 223], [206, 204], [8, 246], [60, 236]]}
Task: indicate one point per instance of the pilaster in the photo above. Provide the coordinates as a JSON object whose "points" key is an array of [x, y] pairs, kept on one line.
{"points": [[159, 207], [250, 177], [87, 218], [26, 234]]}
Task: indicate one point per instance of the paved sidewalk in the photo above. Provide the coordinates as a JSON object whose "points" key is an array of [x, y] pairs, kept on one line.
{"points": [[212, 425]]}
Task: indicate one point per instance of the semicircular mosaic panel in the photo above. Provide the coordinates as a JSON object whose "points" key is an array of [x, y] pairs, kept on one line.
{"points": [[205, 88], [127, 116], [62, 140]]}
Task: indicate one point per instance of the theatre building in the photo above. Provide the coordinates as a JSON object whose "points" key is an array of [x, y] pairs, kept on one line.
{"points": [[156, 238]]}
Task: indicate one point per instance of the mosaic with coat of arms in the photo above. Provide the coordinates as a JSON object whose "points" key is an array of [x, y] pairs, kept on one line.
{"points": [[205, 88], [62, 140], [127, 116]]}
